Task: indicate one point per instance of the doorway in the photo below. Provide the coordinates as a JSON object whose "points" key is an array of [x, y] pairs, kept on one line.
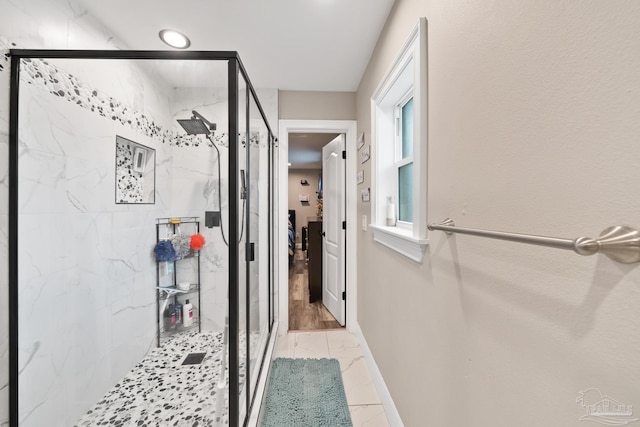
{"points": [[308, 309], [294, 289]]}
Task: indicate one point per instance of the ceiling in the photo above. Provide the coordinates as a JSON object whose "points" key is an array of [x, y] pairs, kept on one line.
{"points": [[305, 149], [304, 45], [309, 45]]}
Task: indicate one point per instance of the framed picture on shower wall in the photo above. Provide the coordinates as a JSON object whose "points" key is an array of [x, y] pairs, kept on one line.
{"points": [[135, 172]]}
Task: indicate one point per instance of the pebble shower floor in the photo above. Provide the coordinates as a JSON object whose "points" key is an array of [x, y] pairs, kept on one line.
{"points": [[161, 391]]}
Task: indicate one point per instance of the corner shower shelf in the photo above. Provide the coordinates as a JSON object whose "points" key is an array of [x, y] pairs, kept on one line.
{"points": [[173, 274]]}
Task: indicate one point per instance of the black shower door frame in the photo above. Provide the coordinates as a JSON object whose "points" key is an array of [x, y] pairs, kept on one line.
{"points": [[235, 69]]}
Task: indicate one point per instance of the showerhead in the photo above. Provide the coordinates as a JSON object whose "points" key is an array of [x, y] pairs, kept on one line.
{"points": [[197, 125], [194, 126]]}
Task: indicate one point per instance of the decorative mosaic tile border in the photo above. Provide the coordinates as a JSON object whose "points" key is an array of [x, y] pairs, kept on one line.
{"points": [[5, 45], [48, 77]]}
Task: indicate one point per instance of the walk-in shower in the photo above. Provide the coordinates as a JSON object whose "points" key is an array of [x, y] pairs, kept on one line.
{"points": [[88, 292]]}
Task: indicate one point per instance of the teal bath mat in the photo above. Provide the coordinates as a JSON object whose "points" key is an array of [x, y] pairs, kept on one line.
{"points": [[305, 393]]}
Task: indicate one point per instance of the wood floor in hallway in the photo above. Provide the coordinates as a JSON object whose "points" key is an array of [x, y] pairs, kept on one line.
{"points": [[303, 315]]}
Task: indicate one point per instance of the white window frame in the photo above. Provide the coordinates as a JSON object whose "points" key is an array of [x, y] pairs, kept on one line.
{"points": [[406, 78]]}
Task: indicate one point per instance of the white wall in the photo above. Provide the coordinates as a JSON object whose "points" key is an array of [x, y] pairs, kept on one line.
{"points": [[533, 128]]}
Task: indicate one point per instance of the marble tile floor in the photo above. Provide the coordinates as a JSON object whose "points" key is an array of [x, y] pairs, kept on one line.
{"points": [[364, 403], [159, 391]]}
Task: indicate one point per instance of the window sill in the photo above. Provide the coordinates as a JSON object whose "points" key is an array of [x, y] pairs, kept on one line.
{"points": [[401, 241]]}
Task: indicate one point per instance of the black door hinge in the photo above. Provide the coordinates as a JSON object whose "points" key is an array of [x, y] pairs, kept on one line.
{"points": [[344, 225], [344, 295], [344, 154]]}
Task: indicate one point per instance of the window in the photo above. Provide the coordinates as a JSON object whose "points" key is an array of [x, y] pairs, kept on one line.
{"points": [[399, 136], [404, 163]]}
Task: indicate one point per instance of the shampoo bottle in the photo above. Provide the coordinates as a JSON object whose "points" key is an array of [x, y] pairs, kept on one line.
{"points": [[187, 314]]}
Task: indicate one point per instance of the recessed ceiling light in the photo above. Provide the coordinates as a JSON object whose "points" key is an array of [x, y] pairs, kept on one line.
{"points": [[175, 39]]}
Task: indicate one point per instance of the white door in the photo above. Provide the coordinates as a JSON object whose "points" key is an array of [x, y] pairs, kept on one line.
{"points": [[333, 206]]}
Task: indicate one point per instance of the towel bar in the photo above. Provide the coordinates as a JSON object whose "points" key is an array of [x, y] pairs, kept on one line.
{"points": [[620, 243]]}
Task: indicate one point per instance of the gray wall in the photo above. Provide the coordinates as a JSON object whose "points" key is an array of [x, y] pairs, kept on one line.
{"points": [[533, 128], [301, 105], [303, 210]]}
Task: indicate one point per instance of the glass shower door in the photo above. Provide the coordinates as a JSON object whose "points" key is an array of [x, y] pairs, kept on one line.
{"points": [[254, 272], [243, 204], [258, 268]]}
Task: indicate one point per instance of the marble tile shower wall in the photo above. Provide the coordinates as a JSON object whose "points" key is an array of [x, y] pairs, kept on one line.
{"points": [[59, 24], [85, 252], [66, 24], [195, 190], [32, 24], [86, 270], [195, 185]]}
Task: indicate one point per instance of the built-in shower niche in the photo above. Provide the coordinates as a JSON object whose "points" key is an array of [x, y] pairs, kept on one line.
{"points": [[135, 172]]}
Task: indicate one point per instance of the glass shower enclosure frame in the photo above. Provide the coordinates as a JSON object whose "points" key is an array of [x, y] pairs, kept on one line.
{"points": [[241, 98]]}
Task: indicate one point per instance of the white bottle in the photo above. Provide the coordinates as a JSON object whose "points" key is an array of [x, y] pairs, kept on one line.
{"points": [[391, 212], [187, 314]]}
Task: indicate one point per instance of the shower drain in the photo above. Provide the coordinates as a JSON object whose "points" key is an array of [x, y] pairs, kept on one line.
{"points": [[194, 358]]}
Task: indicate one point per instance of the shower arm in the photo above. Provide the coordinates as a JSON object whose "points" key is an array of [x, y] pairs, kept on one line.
{"points": [[196, 115]]}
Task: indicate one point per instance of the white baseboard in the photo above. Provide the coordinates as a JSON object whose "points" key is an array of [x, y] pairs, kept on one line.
{"points": [[254, 416], [385, 397]]}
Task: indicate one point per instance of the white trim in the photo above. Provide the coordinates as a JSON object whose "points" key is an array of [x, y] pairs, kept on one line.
{"points": [[398, 64], [349, 128], [413, 51], [400, 240], [390, 409]]}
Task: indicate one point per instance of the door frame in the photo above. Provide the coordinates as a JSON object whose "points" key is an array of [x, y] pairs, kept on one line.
{"points": [[349, 128]]}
